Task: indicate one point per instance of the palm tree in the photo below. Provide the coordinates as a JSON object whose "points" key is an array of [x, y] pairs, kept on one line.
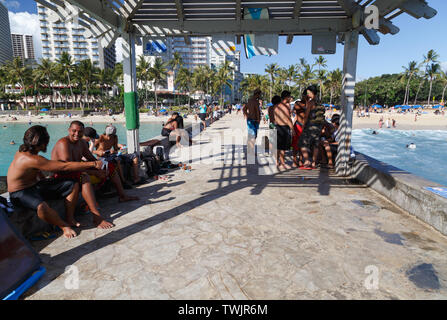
{"points": [[183, 81], [45, 72], [320, 62], [175, 63], [291, 75], [409, 71], [200, 79], [65, 67], [104, 78], [335, 79], [157, 73], [307, 74], [272, 69], [423, 76], [443, 78], [85, 75], [432, 73], [19, 73], [321, 76], [253, 82], [143, 74], [223, 77]]}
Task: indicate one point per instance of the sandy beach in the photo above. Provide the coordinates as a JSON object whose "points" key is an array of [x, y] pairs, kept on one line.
{"points": [[87, 119], [428, 121]]}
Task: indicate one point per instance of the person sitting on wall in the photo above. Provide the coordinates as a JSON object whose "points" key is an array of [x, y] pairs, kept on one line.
{"points": [[74, 148], [28, 187], [329, 145], [107, 147]]}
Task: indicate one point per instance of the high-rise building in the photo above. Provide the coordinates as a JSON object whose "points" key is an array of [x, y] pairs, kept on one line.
{"points": [[68, 37], [22, 46], [200, 52], [5, 36], [196, 53]]}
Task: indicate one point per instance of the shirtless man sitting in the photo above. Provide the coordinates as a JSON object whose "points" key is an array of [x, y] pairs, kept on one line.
{"points": [[74, 148], [107, 147], [28, 188]]}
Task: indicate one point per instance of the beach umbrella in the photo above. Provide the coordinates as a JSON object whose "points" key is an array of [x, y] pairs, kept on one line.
{"points": [[163, 110], [378, 106], [269, 104], [437, 107], [405, 107], [417, 106], [44, 109]]}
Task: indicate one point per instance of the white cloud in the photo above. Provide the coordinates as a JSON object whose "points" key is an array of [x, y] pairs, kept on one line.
{"points": [[27, 23], [11, 4], [444, 66]]}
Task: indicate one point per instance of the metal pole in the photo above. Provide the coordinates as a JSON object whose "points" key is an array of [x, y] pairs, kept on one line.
{"points": [[130, 94], [347, 102]]}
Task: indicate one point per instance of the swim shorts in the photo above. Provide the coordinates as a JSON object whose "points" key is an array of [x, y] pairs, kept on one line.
{"points": [[284, 137], [202, 116], [128, 157], [298, 128], [310, 136], [253, 126], [48, 189]]}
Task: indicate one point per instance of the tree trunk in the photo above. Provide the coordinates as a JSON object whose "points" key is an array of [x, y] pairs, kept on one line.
{"points": [[429, 92], [417, 93], [24, 94], [156, 98], [407, 91], [443, 92]]}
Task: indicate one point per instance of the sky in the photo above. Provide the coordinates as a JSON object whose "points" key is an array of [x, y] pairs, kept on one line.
{"points": [[415, 38]]}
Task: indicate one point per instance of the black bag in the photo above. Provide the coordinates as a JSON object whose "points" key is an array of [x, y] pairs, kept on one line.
{"points": [[159, 154]]}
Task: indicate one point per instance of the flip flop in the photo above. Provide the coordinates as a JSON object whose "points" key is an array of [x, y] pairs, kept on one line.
{"points": [[305, 168]]}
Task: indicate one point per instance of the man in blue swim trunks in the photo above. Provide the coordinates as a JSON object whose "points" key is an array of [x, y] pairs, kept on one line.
{"points": [[252, 112]]}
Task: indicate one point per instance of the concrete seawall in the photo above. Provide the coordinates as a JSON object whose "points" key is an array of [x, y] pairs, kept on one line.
{"points": [[404, 189]]}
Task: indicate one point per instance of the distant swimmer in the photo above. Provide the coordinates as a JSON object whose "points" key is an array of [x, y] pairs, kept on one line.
{"points": [[411, 146], [375, 132], [12, 142]]}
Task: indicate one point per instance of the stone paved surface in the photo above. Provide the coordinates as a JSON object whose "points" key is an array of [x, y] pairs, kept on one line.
{"points": [[220, 232]]}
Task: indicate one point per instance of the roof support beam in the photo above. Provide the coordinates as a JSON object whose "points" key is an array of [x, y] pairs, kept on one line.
{"points": [[295, 16], [98, 11], [179, 6], [238, 11], [290, 26], [418, 9], [387, 6]]}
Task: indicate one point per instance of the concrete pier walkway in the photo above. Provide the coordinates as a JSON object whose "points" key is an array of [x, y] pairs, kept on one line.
{"points": [[222, 232]]}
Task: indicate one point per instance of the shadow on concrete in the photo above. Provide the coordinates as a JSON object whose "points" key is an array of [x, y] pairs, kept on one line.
{"points": [[233, 178]]}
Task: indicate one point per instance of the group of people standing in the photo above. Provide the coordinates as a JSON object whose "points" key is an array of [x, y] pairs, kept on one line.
{"points": [[300, 126]]}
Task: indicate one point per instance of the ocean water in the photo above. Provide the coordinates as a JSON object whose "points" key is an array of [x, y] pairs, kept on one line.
{"points": [[15, 131], [428, 160]]}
